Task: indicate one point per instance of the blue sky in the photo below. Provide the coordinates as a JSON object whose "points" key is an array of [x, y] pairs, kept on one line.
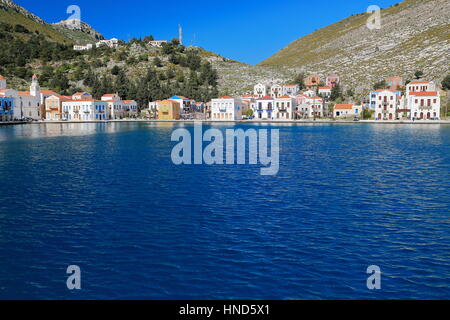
{"points": [[246, 30]]}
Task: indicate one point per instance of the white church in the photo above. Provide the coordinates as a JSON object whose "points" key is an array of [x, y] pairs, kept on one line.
{"points": [[26, 104]]}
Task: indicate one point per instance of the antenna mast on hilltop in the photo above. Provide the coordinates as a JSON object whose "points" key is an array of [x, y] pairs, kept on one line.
{"points": [[180, 36]]}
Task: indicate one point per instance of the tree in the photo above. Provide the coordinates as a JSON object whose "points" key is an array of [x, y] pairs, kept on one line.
{"points": [[446, 83], [175, 41], [336, 93], [300, 80], [380, 85], [148, 38], [115, 70], [446, 86], [418, 74], [157, 62]]}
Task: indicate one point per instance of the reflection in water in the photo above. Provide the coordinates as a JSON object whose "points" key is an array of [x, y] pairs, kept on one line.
{"points": [[48, 130], [108, 197]]}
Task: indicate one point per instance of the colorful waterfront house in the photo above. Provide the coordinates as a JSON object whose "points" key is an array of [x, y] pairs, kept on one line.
{"points": [[6, 101], [347, 111], [386, 103], [284, 107], [395, 83], [130, 108], [264, 108], [226, 109], [44, 95], [53, 107], [316, 107], [185, 104], [115, 109], [424, 105], [6, 108], [169, 110], [332, 80], [85, 110]]}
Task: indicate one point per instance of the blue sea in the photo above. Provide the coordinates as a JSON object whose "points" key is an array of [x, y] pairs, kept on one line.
{"points": [[107, 198]]}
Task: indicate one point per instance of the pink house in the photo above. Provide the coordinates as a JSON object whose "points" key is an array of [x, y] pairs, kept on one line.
{"points": [[332, 80]]}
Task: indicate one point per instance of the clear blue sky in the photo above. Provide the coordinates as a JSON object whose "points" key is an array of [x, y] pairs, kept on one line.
{"points": [[245, 30]]}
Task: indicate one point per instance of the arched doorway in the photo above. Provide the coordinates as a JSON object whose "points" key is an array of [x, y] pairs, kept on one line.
{"points": [[421, 115], [428, 115], [390, 116], [379, 116]]}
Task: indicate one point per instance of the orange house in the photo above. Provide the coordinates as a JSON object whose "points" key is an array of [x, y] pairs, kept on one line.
{"points": [[312, 80], [168, 110]]}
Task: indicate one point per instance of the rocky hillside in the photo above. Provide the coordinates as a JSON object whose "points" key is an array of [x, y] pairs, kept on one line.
{"points": [[414, 35], [236, 78], [233, 77], [78, 31], [64, 32]]}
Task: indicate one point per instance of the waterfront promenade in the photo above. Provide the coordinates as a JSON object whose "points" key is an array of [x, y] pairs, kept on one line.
{"points": [[309, 121]]}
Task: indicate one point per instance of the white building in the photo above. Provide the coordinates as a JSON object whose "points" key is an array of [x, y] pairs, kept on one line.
{"points": [[226, 108], [423, 100], [112, 43], [284, 108], [347, 111], [261, 90], [291, 89], [424, 105], [117, 108], [312, 107], [309, 93], [386, 104], [84, 110], [264, 108], [131, 108], [276, 91], [79, 47], [420, 86], [157, 43], [325, 92], [28, 103]]}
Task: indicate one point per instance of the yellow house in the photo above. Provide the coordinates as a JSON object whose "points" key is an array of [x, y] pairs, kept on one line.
{"points": [[168, 110]]}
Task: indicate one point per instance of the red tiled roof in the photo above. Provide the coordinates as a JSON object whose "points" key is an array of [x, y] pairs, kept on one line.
{"points": [[49, 92], [324, 88], [25, 94], [419, 82], [284, 97], [343, 106], [265, 98], [225, 97], [85, 100], [424, 94]]}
